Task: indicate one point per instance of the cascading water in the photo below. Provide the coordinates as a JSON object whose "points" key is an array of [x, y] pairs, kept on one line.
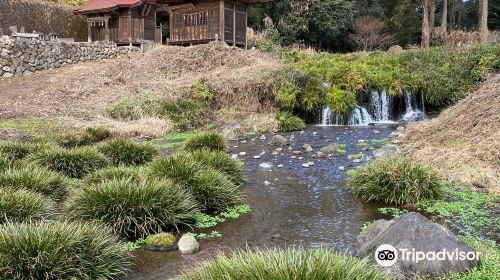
{"points": [[380, 105], [411, 114], [380, 109]]}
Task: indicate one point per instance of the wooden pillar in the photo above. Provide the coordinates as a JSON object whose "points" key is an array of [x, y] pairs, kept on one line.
{"points": [[234, 24], [106, 28], [130, 26], [221, 21], [246, 24], [89, 28]]}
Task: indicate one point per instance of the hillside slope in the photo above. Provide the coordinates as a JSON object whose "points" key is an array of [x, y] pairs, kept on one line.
{"points": [[464, 141], [78, 95]]}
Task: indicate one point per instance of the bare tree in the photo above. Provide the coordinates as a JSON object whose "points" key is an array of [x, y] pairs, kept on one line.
{"points": [[483, 20], [426, 35], [370, 33], [432, 17], [444, 16]]}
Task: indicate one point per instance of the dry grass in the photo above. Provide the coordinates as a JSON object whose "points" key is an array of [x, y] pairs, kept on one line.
{"points": [[464, 141], [78, 95]]}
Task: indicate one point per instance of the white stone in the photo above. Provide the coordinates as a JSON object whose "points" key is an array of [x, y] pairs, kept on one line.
{"points": [[188, 245]]}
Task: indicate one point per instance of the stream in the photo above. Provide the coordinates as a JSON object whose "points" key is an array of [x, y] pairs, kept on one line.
{"points": [[309, 207]]}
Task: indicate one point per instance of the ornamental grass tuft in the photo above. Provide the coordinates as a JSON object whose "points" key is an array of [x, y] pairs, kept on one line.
{"points": [[24, 206], [207, 141], [220, 161], [134, 208], [395, 180], [284, 264], [125, 152], [60, 250], [112, 173]]}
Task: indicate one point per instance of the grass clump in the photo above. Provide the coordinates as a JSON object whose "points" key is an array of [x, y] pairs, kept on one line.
{"points": [[211, 141], [36, 179], [125, 152], [395, 180], [135, 108], [490, 258], [160, 240], [89, 136], [17, 150], [292, 263], [287, 122], [22, 206], [186, 114], [60, 250], [134, 209], [213, 190], [222, 162], [74, 163], [112, 173]]}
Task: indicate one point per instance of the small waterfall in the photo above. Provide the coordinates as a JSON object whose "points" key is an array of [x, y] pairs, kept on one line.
{"points": [[380, 105], [411, 114], [360, 116], [326, 116]]}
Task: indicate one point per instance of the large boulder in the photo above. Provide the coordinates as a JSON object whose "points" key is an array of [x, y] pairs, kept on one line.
{"points": [[188, 245], [428, 242], [330, 149], [278, 140], [233, 132], [388, 150]]}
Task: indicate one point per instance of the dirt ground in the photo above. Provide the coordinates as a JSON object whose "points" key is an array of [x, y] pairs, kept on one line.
{"points": [[78, 95], [464, 141]]}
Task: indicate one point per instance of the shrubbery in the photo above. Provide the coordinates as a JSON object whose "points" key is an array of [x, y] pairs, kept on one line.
{"points": [[112, 173], [211, 141], [293, 263], [395, 180], [185, 113], [89, 136], [222, 162], [134, 208], [17, 150], [74, 163], [22, 206], [36, 179], [212, 189], [60, 250], [126, 152], [288, 122]]}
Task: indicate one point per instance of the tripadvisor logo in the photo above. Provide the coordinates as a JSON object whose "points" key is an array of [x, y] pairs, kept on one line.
{"points": [[387, 255]]}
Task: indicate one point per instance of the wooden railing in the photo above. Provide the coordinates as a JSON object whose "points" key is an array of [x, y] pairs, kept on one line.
{"points": [[193, 27]]}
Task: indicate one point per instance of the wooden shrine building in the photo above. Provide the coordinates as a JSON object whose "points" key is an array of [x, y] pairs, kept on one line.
{"points": [[175, 22]]}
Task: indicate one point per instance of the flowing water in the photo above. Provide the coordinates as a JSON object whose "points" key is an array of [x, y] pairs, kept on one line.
{"points": [[309, 207], [381, 109]]}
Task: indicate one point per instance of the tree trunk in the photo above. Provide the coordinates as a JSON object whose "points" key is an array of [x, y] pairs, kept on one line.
{"points": [[444, 16], [425, 25], [432, 17], [483, 20]]}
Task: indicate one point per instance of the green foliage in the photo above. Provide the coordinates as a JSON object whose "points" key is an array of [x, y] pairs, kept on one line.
{"points": [[74, 163], [36, 179], [4, 164], [471, 212], [210, 140], [203, 236], [89, 136], [201, 92], [442, 74], [22, 206], [291, 263], [131, 246], [222, 162], [233, 212], [490, 258], [60, 250], [340, 101], [286, 93], [135, 108], [393, 212], [185, 113], [112, 173], [159, 240], [395, 180], [213, 190], [288, 122], [134, 209], [125, 152], [17, 150]]}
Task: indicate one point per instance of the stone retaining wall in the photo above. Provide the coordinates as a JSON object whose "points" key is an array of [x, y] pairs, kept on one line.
{"points": [[21, 57]]}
